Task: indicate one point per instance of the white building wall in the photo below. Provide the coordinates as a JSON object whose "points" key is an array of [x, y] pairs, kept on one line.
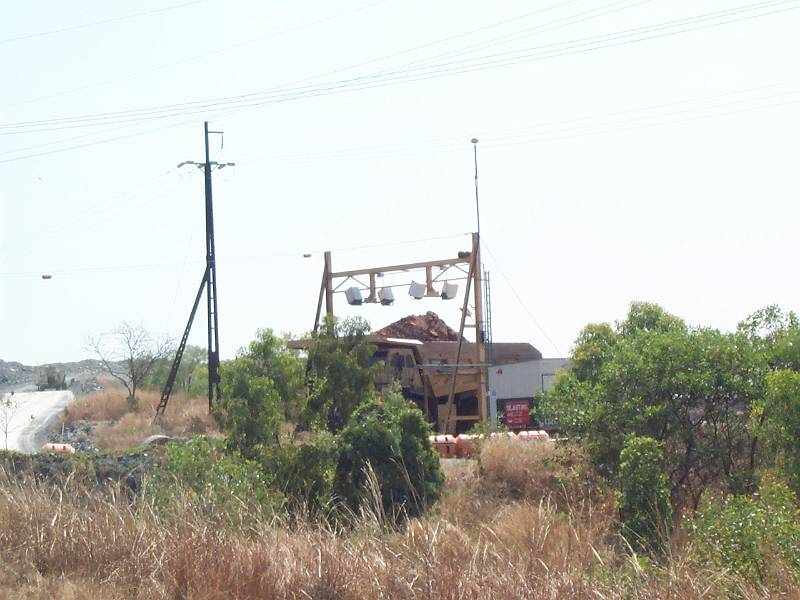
{"points": [[525, 379]]}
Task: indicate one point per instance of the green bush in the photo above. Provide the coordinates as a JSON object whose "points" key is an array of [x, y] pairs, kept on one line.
{"points": [[388, 437], [645, 511], [220, 481], [749, 534], [304, 474], [249, 412]]}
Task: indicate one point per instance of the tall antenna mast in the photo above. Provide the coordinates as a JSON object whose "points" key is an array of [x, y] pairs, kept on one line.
{"points": [[477, 203]]}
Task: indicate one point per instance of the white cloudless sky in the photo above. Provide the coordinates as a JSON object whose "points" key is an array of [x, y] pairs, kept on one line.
{"points": [[612, 167]]}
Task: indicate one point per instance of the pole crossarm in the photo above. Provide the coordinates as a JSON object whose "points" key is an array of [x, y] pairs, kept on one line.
{"points": [[447, 262]]}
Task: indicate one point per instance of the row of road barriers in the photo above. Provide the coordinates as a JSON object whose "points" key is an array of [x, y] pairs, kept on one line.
{"points": [[466, 445]]}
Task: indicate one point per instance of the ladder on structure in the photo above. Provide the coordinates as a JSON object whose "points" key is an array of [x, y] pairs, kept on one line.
{"points": [[486, 326]]}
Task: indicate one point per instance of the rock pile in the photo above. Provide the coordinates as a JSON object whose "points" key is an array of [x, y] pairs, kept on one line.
{"points": [[14, 373], [426, 328], [79, 434]]}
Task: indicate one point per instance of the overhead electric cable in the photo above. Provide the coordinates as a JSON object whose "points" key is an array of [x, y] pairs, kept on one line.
{"points": [[101, 22], [300, 253], [593, 13], [519, 298], [347, 86], [414, 73], [200, 56]]}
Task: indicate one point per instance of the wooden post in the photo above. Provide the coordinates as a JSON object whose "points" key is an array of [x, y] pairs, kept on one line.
{"points": [[429, 291], [480, 348], [322, 288], [452, 395], [328, 285]]}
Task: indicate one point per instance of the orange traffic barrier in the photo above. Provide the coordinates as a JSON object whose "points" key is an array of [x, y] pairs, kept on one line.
{"points": [[445, 445], [466, 445], [533, 436], [58, 448]]}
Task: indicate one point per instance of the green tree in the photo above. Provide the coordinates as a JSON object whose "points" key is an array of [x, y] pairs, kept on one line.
{"points": [[284, 368], [777, 419], [192, 371], [389, 436], [249, 411], [651, 375], [341, 372], [775, 339], [260, 388], [644, 505]]}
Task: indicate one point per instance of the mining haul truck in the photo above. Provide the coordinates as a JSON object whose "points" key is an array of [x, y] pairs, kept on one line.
{"points": [[424, 370], [51, 378]]}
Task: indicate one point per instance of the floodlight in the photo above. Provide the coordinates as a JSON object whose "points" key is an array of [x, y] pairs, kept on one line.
{"points": [[416, 290], [353, 296], [449, 290], [386, 296]]}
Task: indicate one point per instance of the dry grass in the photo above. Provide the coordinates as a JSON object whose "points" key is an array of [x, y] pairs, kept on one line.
{"points": [[474, 545], [125, 426], [539, 470]]}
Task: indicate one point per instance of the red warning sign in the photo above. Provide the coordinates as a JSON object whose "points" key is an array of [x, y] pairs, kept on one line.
{"points": [[517, 414]]}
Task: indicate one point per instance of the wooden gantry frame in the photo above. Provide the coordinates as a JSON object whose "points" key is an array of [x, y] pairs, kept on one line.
{"points": [[333, 281]]}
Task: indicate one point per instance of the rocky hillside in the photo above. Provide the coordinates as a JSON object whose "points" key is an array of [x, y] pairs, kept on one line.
{"points": [[85, 373]]}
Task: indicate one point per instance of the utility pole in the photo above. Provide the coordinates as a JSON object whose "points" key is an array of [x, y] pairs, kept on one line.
{"points": [[209, 282], [211, 286]]}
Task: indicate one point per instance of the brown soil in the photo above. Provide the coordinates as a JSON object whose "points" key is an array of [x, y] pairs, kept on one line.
{"points": [[426, 328]]}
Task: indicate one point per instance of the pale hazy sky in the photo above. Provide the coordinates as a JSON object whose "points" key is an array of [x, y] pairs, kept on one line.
{"points": [[629, 150]]}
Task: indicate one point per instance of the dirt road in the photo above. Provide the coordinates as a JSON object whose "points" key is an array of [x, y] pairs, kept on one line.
{"points": [[28, 422]]}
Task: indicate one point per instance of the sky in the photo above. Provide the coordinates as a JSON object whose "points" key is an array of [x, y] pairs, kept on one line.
{"points": [[628, 150]]}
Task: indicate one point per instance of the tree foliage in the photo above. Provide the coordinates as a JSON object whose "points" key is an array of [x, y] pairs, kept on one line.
{"points": [[652, 375], [644, 505], [192, 376], [388, 436], [221, 482], [261, 387], [341, 372], [748, 534]]}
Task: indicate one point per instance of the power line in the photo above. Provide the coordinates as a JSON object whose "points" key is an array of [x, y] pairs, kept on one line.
{"points": [[546, 51], [296, 254], [405, 73], [519, 298], [455, 143], [667, 24], [536, 30], [102, 22], [399, 78], [201, 56]]}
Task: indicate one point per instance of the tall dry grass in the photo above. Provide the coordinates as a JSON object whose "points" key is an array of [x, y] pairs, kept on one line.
{"points": [[124, 425], [81, 544]]}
